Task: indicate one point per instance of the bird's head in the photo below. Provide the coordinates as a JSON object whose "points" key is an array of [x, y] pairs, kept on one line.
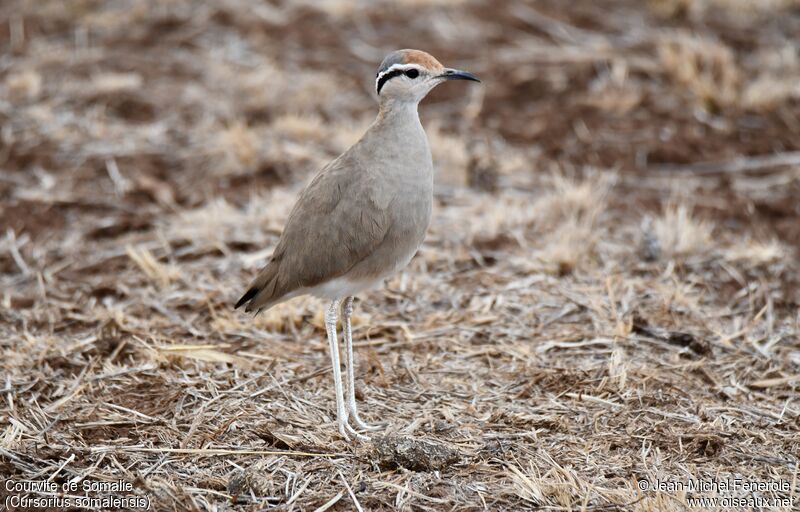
{"points": [[409, 75]]}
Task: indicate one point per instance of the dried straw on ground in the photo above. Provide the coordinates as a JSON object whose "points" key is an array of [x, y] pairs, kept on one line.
{"points": [[608, 294]]}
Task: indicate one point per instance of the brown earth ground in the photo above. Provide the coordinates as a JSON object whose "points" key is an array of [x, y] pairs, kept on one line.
{"points": [[608, 294]]}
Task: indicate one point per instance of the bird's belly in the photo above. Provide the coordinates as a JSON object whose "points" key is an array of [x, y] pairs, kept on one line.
{"points": [[341, 287]]}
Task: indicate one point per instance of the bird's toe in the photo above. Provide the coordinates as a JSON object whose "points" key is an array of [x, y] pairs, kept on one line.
{"points": [[365, 426]]}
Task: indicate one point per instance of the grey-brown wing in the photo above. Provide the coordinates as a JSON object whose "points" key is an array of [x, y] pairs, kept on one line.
{"points": [[339, 219]]}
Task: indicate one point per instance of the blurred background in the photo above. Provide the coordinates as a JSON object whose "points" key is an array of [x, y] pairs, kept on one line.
{"points": [[110, 106], [621, 194]]}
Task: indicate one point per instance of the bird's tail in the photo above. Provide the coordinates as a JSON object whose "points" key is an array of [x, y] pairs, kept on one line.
{"points": [[262, 290], [249, 294]]}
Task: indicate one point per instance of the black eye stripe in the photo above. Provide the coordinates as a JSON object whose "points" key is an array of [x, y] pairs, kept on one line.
{"points": [[388, 76], [409, 72]]}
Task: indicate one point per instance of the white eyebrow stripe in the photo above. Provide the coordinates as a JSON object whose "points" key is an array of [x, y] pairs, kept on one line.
{"points": [[395, 67]]}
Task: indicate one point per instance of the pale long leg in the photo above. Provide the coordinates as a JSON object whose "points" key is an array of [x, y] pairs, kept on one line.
{"points": [[341, 413], [347, 311]]}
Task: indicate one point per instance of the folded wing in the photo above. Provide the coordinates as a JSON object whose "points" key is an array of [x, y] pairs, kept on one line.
{"points": [[324, 236]]}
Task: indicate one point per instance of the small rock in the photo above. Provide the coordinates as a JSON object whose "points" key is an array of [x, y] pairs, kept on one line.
{"points": [[394, 452], [242, 483]]}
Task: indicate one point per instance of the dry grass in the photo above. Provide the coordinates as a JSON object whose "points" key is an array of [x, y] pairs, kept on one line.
{"points": [[608, 292]]}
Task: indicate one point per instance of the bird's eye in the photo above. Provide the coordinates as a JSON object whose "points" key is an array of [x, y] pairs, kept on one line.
{"points": [[412, 73]]}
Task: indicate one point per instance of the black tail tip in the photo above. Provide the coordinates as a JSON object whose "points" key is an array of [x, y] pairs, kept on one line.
{"points": [[246, 298]]}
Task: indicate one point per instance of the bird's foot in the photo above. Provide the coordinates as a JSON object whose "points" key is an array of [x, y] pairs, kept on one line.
{"points": [[349, 432], [362, 424], [343, 432]]}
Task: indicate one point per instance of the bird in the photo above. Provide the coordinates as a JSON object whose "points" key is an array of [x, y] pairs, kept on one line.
{"points": [[361, 218]]}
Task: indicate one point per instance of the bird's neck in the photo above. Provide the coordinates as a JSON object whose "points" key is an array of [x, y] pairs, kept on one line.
{"points": [[397, 138], [397, 112], [397, 134], [399, 123]]}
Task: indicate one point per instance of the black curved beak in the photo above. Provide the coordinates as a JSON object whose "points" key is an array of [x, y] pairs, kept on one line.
{"points": [[456, 74]]}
